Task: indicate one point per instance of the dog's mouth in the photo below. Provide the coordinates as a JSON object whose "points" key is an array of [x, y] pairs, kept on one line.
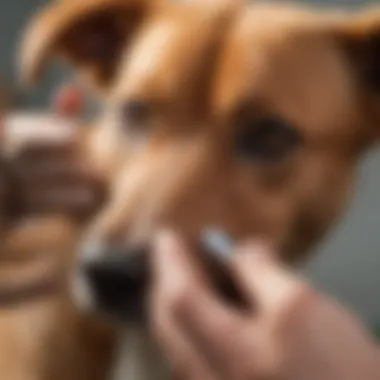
{"points": [[119, 284]]}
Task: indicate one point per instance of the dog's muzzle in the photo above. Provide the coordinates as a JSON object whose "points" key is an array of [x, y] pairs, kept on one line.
{"points": [[116, 281]]}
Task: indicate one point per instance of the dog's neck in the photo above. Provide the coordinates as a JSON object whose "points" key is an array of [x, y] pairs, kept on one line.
{"points": [[138, 358]]}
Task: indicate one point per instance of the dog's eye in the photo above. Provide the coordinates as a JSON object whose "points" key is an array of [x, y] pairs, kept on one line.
{"points": [[266, 140], [135, 112]]}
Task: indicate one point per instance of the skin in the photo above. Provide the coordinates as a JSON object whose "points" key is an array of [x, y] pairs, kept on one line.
{"points": [[206, 339], [288, 332], [317, 74], [47, 184], [43, 336]]}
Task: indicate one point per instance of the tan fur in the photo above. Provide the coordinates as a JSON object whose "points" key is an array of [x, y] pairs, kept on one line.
{"points": [[197, 62]]}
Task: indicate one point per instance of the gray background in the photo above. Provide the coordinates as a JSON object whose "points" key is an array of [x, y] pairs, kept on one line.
{"points": [[347, 265]]}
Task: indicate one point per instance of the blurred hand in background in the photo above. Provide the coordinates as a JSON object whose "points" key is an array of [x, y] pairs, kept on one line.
{"points": [[43, 168]]}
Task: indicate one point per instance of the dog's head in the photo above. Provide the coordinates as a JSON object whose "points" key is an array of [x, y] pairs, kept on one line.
{"points": [[248, 117]]}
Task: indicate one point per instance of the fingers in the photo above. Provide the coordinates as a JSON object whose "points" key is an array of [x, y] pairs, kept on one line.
{"points": [[76, 200], [41, 151], [54, 170], [185, 361], [285, 335], [182, 284], [48, 173], [181, 289], [54, 178], [272, 288], [172, 263], [70, 191]]}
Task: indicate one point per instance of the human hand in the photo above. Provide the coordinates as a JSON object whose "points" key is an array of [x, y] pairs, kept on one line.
{"points": [[44, 170], [289, 332]]}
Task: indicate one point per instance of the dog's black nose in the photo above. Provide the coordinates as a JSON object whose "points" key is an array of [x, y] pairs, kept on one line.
{"points": [[118, 281]]}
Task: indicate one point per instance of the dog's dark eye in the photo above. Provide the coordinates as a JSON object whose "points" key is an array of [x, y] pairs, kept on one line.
{"points": [[135, 112], [266, 139]]}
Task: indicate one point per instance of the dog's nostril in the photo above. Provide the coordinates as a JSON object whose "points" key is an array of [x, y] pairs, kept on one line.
{"points": [[118, 280]]}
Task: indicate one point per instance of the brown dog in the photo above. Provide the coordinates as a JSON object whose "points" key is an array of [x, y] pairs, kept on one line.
{"points": [[247, 117]]}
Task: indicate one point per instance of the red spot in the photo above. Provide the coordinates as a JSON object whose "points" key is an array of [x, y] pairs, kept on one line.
{"points": [[69, 100]]}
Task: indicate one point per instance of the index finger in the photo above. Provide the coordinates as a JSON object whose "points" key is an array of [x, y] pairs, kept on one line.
{"points": [[181, 288]]}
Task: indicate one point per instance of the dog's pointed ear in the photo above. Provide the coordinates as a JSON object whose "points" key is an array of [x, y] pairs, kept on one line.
{"points": [[90, 34]]}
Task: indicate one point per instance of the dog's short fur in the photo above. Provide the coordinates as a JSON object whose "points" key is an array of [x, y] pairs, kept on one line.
{"points": [[251, 117]]}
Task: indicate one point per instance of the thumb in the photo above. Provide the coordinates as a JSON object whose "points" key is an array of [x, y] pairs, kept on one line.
{"points": [[270, 286]]}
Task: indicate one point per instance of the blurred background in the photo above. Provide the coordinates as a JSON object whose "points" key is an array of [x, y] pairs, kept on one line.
{"points": [[347, 264]]}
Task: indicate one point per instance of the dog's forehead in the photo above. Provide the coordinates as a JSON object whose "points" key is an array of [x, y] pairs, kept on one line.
{"points": [[279, 57], [285, 61]]}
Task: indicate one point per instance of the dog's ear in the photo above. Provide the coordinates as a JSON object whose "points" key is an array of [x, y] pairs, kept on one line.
{"points": [[89, 34], [359, 35]]}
